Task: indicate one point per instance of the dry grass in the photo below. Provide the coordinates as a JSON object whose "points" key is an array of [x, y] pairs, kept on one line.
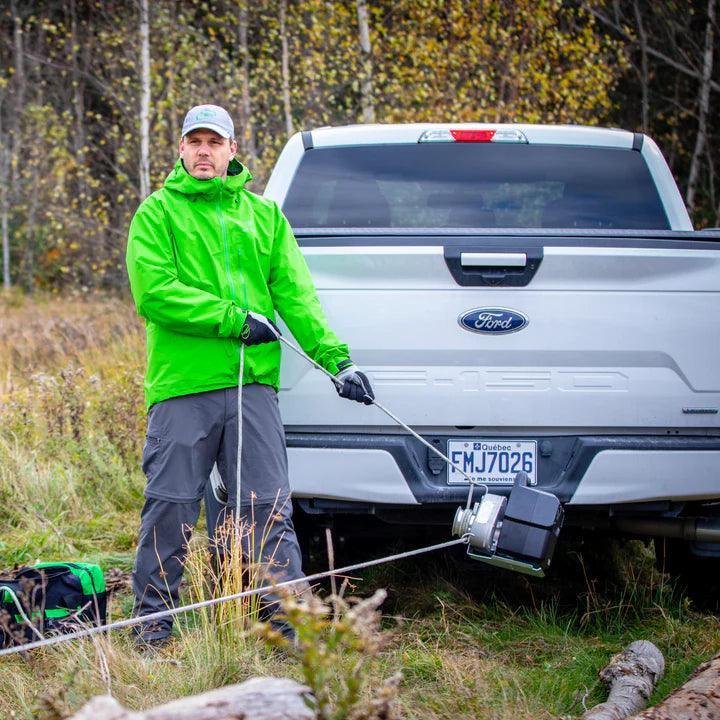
{"points": [[72, 423], [48, 334]]}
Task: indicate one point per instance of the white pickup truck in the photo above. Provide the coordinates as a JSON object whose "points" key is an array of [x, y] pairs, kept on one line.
{"points": [[528, 298]]}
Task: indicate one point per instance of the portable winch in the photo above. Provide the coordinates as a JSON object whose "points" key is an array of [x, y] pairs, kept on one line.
{"points": [[517, 532]]}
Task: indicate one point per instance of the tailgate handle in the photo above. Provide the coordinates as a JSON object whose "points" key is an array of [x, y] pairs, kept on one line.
{"points": [[493, 259], [512, 264]]}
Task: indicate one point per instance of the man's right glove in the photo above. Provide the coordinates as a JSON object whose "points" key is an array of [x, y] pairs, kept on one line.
{"points": [[258, 329], [355, 385]]}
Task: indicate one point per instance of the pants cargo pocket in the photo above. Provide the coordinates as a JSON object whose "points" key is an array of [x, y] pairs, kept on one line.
{"points": [[151, 456], [175, 471]]}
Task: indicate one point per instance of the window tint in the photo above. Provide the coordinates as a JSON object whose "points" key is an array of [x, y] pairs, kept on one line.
{"points": [[480, 185]]}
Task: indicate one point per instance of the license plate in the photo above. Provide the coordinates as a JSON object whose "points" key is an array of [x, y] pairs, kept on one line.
{"points": [[493, 462]]}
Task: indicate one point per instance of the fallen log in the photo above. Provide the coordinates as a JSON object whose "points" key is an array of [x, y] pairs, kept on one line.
{"points": [[696, 699], [631, 677], [256, 699]]}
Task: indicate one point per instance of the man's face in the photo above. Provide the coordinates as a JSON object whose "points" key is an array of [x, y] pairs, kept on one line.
{"points": [[206, 154]]}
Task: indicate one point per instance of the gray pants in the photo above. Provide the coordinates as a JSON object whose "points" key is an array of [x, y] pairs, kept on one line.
{"points": [[186, 435]]}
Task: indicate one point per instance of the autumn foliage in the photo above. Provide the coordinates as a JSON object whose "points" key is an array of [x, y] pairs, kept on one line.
{"points": [[71, 79]]}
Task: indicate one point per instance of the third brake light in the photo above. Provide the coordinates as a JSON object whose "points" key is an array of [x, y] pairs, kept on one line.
{"points": [[494, 135]]}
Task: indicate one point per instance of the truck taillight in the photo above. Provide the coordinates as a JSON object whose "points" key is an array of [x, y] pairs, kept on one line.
{"points": [[472, 135], [494, 135]]}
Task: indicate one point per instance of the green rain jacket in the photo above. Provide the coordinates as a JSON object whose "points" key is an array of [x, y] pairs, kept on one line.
{"points": [[200, 254]]}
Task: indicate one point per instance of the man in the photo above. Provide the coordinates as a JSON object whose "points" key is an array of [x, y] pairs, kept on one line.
{"points": [[209, 264]]}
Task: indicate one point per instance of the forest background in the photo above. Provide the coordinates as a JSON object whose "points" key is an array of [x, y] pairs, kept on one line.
{"points": [[92, 95]]}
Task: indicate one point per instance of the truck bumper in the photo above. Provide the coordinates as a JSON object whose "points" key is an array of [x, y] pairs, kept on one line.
{"points": [[580, 470]]}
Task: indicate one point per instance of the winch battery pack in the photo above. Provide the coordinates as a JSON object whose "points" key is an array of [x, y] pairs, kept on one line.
{"points": [[531, 524], [56, 597]]}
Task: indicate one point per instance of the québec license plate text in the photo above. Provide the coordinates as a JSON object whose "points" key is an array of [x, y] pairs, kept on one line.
{"points": [[494, 462]]}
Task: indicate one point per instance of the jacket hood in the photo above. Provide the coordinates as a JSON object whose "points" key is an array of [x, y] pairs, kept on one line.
{"points": [[180, 180]]}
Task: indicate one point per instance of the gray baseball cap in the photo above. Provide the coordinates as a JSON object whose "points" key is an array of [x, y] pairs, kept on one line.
{"points": [[209, 117]]}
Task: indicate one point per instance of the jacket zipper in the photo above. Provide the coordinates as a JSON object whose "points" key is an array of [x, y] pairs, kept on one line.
{"points": [[223, 228], [226, 247]]}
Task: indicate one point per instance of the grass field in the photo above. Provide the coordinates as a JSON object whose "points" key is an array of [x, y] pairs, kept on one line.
{"points": [[470, 642]]}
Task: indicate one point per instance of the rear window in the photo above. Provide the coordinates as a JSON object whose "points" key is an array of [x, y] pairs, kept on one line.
{"points": [[477, 185]]}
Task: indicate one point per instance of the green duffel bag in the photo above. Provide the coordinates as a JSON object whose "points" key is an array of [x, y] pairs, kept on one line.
{"points": [[57, 597]]}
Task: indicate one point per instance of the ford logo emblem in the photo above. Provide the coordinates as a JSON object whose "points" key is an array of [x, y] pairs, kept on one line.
{"points": [[493, 320]]}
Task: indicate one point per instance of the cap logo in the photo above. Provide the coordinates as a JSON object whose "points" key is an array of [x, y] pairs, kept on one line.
{"points": [[206, 114]]}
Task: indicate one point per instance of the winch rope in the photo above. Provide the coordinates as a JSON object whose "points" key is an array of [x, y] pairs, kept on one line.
{"points": [[238, 468], [404, 426], [129, 622]]}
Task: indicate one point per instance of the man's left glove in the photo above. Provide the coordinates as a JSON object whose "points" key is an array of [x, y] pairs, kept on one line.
{"points": [[258, 329], [355, 385]]}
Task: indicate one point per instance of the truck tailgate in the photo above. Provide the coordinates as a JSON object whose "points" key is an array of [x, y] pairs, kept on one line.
{"points": [[622, 334]]}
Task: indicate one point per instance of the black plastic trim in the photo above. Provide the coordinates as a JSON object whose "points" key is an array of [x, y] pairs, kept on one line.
{"points": [[307, 139], [561, 464], [638, 139], [677, 240], [520, 233], [493, 276]]}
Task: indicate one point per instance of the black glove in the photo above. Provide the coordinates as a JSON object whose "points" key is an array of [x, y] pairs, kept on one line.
{"points": [[355, 385], [258, 329]]}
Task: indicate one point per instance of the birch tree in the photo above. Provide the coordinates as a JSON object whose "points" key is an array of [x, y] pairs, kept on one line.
{"points": [[247, 138], [366, 90], [4, 190], [78, 81], [669, 48], [285, 63], [644, 72], [12, 193], [144, 99], [703, 105]]}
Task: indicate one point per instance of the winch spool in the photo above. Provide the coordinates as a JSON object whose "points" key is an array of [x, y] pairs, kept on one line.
{"points": [[481, 523]]}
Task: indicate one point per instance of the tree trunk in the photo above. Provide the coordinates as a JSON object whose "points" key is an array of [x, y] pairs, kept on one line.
{"points": [[258, 698], [174, 128], [285, 68], [697, 699], [11, 189], [144, 99], [366, 89], [5, 211], [675, 145], [247, 138], [631, 676], [20, 87], [703, 106], [78, 84], [4, 197], [673, 62], [31, 235], [644, 82]]}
